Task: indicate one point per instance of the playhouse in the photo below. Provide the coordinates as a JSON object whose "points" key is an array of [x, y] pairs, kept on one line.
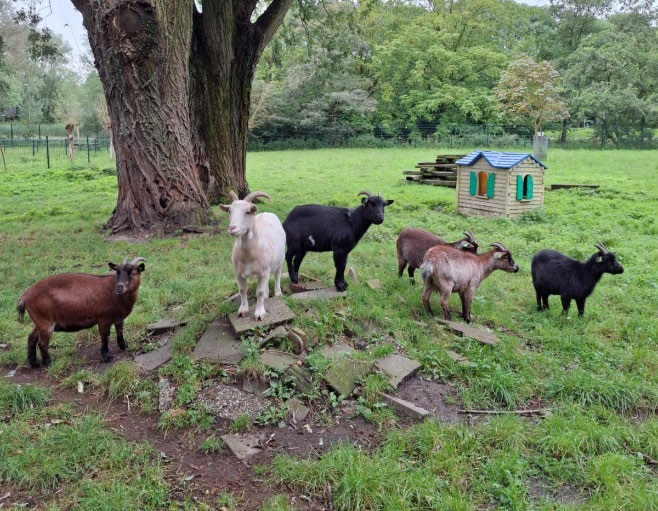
{"points": [[491, 183]]}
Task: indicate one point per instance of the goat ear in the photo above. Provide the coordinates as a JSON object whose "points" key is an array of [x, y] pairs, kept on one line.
{"points": [[225, 207], [141, 268], [499, 255], [388, 202], [364, 200], [599, 259], [113, 266], [253, 209]]}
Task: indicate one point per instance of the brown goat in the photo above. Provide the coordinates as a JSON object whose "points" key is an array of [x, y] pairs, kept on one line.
{"points": [[69, 302], [449, 270], [412, 243]]}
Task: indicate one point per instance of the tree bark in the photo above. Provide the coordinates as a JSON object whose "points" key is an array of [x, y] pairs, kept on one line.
{"points": [[226, 47], [141, 50]]}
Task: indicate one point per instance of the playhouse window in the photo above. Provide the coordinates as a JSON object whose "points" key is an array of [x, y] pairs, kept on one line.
{"points": [[524, 187], [482, 183]]}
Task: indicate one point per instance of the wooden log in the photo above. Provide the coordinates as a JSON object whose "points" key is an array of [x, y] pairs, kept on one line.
{"points": [[411, 173], [439, 182]]}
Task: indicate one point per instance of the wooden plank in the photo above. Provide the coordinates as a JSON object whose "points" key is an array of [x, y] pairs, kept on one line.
{"points": [[448, 166], [413, 178], [439, 182], [560, 186], [412, 173], [439, 174]]}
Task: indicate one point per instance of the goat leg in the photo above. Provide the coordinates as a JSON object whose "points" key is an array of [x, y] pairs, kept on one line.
{"points": [[444, 303], [539, 305], [580, 303], [242, 289], [44, 339], [277, 281], [104, 331], [291, 268], [566, 301], [262, 292], [340, 261], [427, 292], [32, 341], [120, 341]]}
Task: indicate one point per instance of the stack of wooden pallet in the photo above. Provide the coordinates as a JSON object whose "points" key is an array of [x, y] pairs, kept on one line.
{"points": [[442, 172]]}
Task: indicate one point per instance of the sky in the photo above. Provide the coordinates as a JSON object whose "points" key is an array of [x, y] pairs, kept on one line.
{"points": [[61, 17]]}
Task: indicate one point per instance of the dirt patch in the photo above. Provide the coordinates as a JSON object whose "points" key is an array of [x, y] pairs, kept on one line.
{"points": [[438, 398], [204, 477]]}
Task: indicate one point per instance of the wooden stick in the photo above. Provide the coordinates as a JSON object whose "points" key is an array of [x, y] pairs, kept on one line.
{"points": [[4, 163], [502, 412]]}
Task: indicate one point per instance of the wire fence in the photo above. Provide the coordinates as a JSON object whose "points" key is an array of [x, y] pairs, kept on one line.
{"points": [[52, 152]]}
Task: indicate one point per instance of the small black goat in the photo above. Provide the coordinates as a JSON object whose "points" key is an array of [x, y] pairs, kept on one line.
{"points": [[314, 228], [554, 273]]}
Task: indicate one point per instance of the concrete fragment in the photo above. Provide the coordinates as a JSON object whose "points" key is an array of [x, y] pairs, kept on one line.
{"points": [[459, 359], [277, 360], [298, 411], [242, 447], [299, 332], [166, 394], [219, 343], [254, 386], [344, 373], [274, 337], [228, 402], [374, 284], [297, 342], [351, 273], [398, 368], [483, 336], [154, 359], [337, 350], [277, 312], [317, 294], [164, 325], [404, 408], [302, 376]]}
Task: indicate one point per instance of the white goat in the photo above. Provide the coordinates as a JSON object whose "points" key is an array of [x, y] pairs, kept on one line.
{"points": [[259, 248]]}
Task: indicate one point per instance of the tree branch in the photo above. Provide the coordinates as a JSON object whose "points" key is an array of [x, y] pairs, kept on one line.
{"points": [[268, 22]]}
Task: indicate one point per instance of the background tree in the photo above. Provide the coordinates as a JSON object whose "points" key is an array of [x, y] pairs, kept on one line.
{"points": [[529, 92]]}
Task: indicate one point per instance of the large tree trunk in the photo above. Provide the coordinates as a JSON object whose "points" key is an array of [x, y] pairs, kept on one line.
{"points": [[225, 51], [141, 50]]}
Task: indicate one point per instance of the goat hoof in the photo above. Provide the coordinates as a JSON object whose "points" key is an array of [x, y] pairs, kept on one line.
{"points": [[122, 346], [34, 365], [341, 286], [106, 358]]}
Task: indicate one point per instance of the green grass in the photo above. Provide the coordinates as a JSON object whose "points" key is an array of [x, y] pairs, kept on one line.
{"points": [[598, 374]]}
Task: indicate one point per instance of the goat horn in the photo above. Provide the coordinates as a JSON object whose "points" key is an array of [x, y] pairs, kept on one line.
{"points": [[255, 195], [364, 192], [233, 196], [499, 246], [601, 248], [136, 260], [470, 237]]}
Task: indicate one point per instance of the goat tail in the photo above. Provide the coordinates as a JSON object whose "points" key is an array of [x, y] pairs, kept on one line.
{"points": [[20, 308], [426, 271]]}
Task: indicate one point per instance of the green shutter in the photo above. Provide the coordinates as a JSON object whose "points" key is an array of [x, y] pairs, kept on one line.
{"points": [[474, 184], [519, 187], [490, 185], [529, 191]]}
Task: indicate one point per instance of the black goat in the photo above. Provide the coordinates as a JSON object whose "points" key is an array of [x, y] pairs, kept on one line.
{"points": [[554, 273], [314, 228]]}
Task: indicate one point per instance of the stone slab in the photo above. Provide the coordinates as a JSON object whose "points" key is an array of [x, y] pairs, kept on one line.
{"points": [[242, 447], [344, 373], [164, 325], [298, 411], [319, 294], [254, 386], [337, 350], [276, 312], [302, 376], [154, 359], [228, 402], [475, 333], [459, 359], [404, 408], [219, 343], [274, 337], [277, 360], [374, 284], [306, 286], [398, 368]]}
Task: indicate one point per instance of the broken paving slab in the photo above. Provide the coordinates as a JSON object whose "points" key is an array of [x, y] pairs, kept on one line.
{"points": [[166, 394], [154, 359], [398, 368], [298, 411], [483, 336], [277, 360], [228, 402], [337, 350], [219, 343], [276, 312], [405, 408], [319, 294], [459, 359], [164, 325], [274, 337], [302, 376], [344, 374], [242, 447], [306, 286]]}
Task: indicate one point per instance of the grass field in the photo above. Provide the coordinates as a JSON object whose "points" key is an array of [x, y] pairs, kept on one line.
{"points": [[599, 375]]}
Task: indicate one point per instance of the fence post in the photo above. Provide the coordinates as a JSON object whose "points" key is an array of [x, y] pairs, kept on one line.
{"points": [[11, 130], [39, 131], [47, 152], [32, 147], [88, 157]]}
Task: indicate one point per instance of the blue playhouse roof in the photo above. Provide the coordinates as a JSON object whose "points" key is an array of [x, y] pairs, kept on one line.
{"points": [[497, 159]]}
